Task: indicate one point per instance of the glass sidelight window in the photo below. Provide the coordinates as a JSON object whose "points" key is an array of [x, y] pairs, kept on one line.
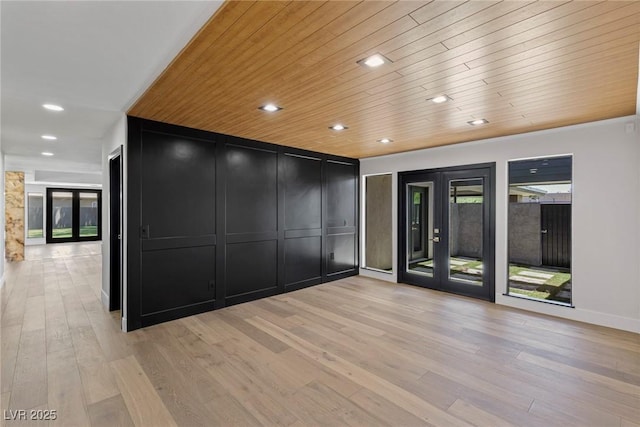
{"points": [[35, 215], [466, 220], [61, 214], [540, 193], [88, 214], [377, 223], [73, 215]]}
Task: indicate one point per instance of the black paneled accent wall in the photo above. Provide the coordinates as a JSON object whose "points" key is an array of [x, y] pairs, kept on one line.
{"points": [[215, 220]]}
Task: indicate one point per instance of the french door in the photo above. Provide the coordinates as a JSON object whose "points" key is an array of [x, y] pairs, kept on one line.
{"points": [[73, 215], [446, 229]]}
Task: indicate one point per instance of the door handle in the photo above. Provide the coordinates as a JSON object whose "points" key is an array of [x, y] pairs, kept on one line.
{"points": [[543, 231]]}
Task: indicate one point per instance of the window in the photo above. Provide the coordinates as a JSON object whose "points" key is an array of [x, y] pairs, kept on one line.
{"points": [[61, 214], [377, 223], [35, 215], [73, 215], [540, 192], [88, 214]]}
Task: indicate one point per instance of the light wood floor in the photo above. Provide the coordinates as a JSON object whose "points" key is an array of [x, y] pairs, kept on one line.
{"points": [[357, 352]]}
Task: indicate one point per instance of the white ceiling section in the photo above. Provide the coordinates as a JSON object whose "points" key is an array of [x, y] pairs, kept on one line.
{"points": [[94, 58]]}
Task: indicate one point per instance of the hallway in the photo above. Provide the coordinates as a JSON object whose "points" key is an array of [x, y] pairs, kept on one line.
{"points": [[55, 333]]}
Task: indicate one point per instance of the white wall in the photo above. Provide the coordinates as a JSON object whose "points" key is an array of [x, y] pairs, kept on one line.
{"points": [[2, 217], [115, 138], [1, 198], [606, 211]]}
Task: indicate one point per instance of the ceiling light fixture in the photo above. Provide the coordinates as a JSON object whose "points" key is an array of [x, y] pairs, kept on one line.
{"points": [[49, 137], [47, 153], [385, 140], [53, 107], [374, 61], [478, 122], [270, 108], [439, 99], [338, 126]]}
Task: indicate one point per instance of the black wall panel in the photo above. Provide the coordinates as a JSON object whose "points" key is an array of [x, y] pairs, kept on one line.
{"points": [[342, 252], [251, 267], [303, 192], [303, 260], [175, 170], [252, 185], [178, 277], [341, 194], [215, 220]]}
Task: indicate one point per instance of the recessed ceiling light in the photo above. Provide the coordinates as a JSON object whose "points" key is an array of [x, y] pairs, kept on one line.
{"points": [[478, 122], [46, 153], [374, 61], [270, 108], [338, 126], [53, 107], [439, 99], [385, 140], [49, 137]]}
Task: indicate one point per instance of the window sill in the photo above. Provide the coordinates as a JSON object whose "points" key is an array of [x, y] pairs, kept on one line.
{"points": [[524, 297], [378, 270]]}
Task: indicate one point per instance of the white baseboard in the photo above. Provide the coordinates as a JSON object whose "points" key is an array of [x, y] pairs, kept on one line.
{"points": [[578, 314], [105, 299]]}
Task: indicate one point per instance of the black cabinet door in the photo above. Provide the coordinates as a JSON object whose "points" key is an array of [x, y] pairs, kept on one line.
{"points": [[341, 254], [302, 187], [178, 225], [251, 223]]}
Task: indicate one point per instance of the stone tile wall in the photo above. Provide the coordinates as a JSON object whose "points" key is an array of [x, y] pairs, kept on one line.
{"points": [[14, 215]]}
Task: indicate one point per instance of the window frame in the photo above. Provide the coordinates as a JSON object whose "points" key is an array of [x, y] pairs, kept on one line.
{"points": [[75, 221], [508, 291]]}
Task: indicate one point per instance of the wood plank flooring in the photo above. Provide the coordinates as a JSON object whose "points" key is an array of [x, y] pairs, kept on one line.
{"points": [[356, 352]]}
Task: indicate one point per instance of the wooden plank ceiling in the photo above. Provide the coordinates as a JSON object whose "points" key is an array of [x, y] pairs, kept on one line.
{"points": [[521, 65]]}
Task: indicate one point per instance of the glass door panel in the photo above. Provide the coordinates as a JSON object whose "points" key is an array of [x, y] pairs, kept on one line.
{"points": [[466, 220], [88, 214], [61, 215], [420, 213], [420, 231]]}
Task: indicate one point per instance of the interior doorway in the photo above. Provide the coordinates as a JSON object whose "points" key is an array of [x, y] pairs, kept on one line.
{"points": [[115, 230], [447, 229]]}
